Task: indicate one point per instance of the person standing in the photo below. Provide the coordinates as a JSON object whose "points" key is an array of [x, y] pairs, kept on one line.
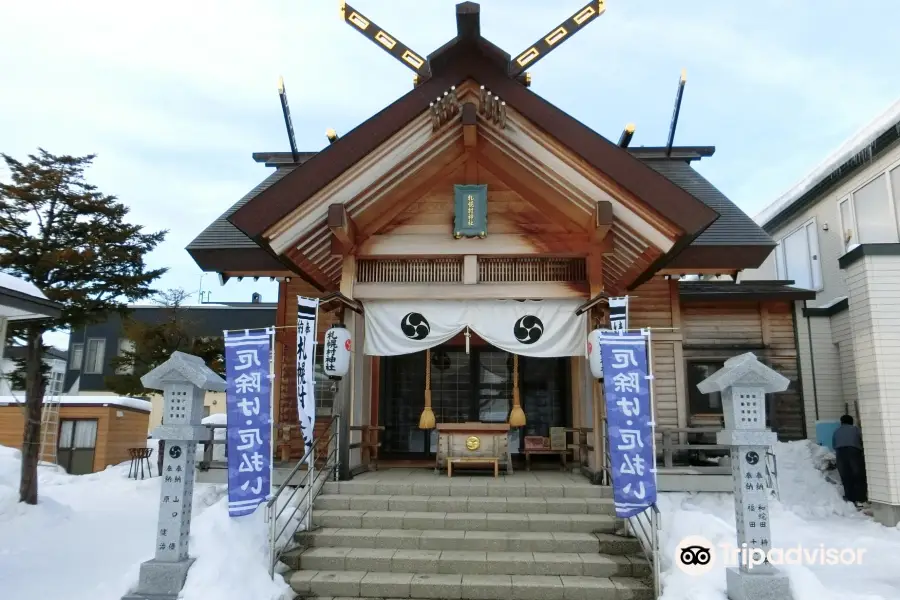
{"points": [[851, 462]]}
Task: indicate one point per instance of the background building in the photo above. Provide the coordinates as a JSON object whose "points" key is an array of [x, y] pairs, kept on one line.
{"points": [[838, 234], [92, 348]]}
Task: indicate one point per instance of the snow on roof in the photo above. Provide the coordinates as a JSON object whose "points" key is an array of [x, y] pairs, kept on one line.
{"points": [[20, 285], [120, 401], [858, 142]]}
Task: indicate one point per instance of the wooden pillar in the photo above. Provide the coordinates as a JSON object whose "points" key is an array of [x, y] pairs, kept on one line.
{"points": [[595, 390], [343, 398]]}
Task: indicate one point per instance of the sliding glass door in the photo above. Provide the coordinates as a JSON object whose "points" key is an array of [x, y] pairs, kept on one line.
{"points": [[77, 445], [473, 387]]}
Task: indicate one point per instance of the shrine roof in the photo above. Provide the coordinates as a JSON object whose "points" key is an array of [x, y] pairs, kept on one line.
{"points": [[223, 247], [746, 290], [469, 56]]}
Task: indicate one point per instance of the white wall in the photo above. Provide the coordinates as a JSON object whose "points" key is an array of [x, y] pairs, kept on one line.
{"points": [[831, 246]]}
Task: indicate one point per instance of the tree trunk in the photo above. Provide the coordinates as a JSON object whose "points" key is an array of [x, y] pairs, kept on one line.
{"points": [[34, 402]]}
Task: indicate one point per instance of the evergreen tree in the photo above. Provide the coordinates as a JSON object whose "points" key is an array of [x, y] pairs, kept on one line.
{"points": [[151, 344], [72, 241]]}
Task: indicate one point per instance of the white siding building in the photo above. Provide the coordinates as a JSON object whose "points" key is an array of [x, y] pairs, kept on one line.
{"points": [[838, 233]]}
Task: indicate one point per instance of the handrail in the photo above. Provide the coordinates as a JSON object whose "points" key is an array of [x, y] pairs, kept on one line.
{"points": [[649, 526], [311, 483]]}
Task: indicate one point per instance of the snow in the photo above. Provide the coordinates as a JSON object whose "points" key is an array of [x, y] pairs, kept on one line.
{"points": [[86, 538], [120, 401], [853, 146], [88, 535], [810, 513], [11, 282]]}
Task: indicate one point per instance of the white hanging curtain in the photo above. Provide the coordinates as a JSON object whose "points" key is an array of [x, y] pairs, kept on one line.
{"points": [[542, 328]]}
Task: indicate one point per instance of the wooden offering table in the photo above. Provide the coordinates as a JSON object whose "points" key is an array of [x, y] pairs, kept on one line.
{"points": [[473, 443]]}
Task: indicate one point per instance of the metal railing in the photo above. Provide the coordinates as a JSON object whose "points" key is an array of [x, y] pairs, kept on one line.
{"points": [[283, 526], [645, 527]]}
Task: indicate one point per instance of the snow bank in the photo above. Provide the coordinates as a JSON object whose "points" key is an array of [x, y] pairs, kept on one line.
{"points": [[811, 513], [94, 531]]}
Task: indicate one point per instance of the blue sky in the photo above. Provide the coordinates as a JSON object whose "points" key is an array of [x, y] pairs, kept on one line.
{"points": [[175, 96]]}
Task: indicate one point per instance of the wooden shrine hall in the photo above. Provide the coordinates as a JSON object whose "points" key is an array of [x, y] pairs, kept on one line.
{"points": [[468, 236]]}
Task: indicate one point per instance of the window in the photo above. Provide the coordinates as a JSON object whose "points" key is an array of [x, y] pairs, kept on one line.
{"points": [[866, 213], [848, 227], [699, 403], [206, 410], [797, 257], [93, 363], [895, 188], [325, 387], [77, 443], [77, 357], [872, 206], [55, 383]]}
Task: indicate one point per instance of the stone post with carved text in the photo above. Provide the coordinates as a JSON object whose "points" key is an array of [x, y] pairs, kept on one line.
{"points": [[184, 380], [743, 383]]}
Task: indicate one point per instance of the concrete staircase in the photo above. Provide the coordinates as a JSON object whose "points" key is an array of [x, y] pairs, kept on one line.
{"points": [[413, 534]]}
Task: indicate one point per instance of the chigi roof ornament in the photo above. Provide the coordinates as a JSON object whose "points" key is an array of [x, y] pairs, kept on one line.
{"points": [[556, 37], [386, 42], [468, 25]]}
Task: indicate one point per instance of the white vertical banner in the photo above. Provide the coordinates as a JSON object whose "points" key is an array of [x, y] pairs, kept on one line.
{"points": [[618, 313], [307, 317]]}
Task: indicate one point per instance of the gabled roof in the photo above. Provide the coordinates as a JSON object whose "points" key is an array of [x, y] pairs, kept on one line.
{"points": [[741, 243], [470, 56], [733, 228], [242, 253]]}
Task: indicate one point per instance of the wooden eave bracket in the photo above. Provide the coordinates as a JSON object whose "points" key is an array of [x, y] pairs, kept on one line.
{"points": [[603, 222], [470, 124], [342, 301], [343, 228], [598, 299]]}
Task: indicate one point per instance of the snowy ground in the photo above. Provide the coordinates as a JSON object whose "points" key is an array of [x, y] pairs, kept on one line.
{"points": [[87, 536], [811, 513]]}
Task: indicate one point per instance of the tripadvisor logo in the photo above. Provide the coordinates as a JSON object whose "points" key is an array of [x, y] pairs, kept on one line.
{"points": [[696, 555]]}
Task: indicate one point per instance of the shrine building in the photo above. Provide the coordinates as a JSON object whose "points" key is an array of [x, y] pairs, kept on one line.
{"points": [[469, 236]]}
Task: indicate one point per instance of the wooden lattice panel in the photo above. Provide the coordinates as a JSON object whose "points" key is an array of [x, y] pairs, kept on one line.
{"points": [[410, 270], [531, 269]]}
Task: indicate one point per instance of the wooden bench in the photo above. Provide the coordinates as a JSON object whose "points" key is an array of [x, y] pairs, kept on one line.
{"points": [[563, 457], [483, 460]]}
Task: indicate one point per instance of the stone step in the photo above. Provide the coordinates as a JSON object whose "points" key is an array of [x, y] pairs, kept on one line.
{"points": [[362, 584], [467, 486], [467, 562], [479, 504], [484, 541], [463, 521]]}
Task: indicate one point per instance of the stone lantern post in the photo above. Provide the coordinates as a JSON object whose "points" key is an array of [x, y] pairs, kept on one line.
{"points": [[744, 383], [184, 380]]}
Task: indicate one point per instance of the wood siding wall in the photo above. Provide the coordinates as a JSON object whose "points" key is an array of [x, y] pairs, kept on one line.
{"points": [[720, 330], [651, 305], [286, 352], [115, 435]]}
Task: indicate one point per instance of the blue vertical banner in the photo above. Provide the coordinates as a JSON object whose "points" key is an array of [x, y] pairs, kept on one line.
{"points": [[629, 414], [248, 402]]}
